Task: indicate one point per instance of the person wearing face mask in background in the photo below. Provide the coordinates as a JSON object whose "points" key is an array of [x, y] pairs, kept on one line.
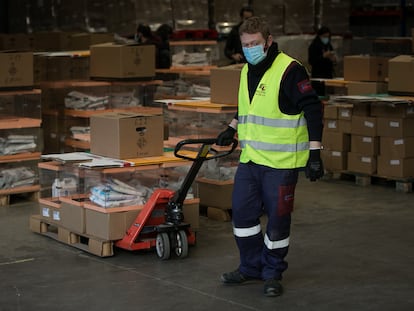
{"points": [[321, 55], [279, 126]]}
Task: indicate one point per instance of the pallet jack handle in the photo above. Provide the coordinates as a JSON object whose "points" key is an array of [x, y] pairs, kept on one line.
{"points": [[206, 152]]}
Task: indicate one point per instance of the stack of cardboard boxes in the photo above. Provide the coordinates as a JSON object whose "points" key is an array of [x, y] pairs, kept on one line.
{"points": [[370, 136]]}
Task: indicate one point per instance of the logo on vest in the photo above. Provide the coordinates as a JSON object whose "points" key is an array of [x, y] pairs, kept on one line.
{"points": [[261, 90]]}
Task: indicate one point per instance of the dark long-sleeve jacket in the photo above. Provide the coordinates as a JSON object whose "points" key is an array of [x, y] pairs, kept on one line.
{"points": [[322, 67]]}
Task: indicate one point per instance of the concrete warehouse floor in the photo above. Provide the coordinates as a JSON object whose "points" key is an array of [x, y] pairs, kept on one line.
{"points": [[351, 249]]}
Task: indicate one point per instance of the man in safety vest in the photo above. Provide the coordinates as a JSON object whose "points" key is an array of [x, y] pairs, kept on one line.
{"points": [[279, 126]]}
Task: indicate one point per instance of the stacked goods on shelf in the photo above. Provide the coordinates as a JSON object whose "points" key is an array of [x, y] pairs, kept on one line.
{"points": [[20, 120], [395, 128], [68, 106], [370, 136]]}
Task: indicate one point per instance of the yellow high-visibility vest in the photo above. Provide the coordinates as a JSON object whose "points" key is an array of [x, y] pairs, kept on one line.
{"points": [[268, 136]]}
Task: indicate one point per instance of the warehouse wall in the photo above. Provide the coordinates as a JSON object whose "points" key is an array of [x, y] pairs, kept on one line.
{"points": [[285, 17]]}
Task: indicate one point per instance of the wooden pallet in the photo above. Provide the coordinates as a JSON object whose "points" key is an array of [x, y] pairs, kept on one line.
{"points": [[30, 192], [401, 184], [92, 245]]}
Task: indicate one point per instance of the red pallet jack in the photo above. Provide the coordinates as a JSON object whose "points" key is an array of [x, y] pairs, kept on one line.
{"points": [[160, 223]]}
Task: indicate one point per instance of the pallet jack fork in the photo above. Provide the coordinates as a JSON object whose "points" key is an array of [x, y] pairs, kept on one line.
{"points": [[160, 223]]}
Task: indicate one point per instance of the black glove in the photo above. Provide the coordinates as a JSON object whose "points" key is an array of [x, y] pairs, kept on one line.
{"points": [[225, 138], [314, 167]]}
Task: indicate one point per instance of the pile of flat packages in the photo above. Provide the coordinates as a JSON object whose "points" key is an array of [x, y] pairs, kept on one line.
{"points": [[184, 58], [82, 101], [16, 177], [14, 144], [115, 193], [125, 99], [182, 88]]}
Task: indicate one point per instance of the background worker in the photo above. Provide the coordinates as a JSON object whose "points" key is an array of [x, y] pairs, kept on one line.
{"points": [[144, 35], [233, 49], [279, 126], [321, 55]]}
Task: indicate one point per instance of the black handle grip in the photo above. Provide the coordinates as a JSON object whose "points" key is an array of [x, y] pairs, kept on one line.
{"points": [[205, 149]]}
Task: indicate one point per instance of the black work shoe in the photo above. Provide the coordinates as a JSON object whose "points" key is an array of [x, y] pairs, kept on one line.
{"points": [[272, 288], [235, 277]]}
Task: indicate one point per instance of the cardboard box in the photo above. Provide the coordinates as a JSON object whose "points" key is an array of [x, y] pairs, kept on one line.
{"points": [[395, 127], [16, 41], [342, 126], [401, 71], [366, 145], [345, 126], [191, 211], [72, 213], [83, 41], [16, 69], [366, 126], [397, 147], [109, 226], [330, 112], [51, 41], [365, 68], [110, 60], [334, 160], [362, 109], [215, 193], [127, 135], [224, 84], [390, 110], [359, 163], [396, 167], [336, 141], [49, 209], [366, 88]]}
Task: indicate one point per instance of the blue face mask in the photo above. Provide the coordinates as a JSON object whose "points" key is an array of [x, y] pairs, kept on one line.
{"points": [[254, 54], [325, 40]]}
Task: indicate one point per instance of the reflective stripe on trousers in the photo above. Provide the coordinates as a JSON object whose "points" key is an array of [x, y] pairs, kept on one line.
{"points": [[252, 231]]}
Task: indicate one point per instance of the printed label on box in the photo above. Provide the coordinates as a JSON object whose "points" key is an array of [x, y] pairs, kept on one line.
{"points": [[394, 162], [45, 212], [394, 124], [368, 124], [399, 142], [56, 215], [367, 139], [366, 159]]}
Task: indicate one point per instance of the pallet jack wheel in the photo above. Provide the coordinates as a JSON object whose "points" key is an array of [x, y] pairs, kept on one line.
{"points": [[181, 248], [163, 246]]}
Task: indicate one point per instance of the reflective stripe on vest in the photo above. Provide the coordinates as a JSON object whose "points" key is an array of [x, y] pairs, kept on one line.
{"points": [[276, 244], [267, 135], [246, 232]]}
